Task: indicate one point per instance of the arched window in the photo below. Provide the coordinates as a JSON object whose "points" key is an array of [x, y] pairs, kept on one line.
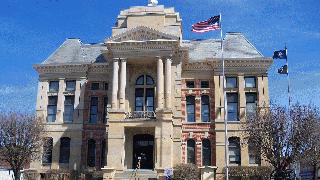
{"points": [[234, 150], [64, 150], [191, 151], [144, 93], [206, 152], [103, 153], [191, 108], [140, 80], [91, 154], [205, 109], [47, 150]]}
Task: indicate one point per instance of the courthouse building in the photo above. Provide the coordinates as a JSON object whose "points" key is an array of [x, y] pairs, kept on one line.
{"points": [[147, 96]]}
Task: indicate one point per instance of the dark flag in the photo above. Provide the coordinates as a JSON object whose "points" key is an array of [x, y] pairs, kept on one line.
{"points": [[281, 54], [209, 25], [283, 70]]}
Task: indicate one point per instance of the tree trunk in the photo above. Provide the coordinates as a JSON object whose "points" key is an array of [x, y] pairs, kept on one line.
{"points": [[315, 172], [16, 173]]}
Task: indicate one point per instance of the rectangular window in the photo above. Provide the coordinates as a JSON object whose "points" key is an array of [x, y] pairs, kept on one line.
{"points": [[47, 150], [204, 84], [105, 109], [91, 153], [191, 108], [64, 150], [190, 84], [231, 82], [53, 86], [95, 86], [68, 109], [70, 85], [251, 104], [235, 178], [150, 99], [232, 107], [205, 110], [106, 86], [139, 99], [52, 108], [250, 82], [103, 153], [254, 157], [93, 110], [255, 178], [234, 150]]}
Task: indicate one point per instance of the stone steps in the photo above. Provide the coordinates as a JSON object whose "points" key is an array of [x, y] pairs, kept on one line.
{"points": [[136, 175]]}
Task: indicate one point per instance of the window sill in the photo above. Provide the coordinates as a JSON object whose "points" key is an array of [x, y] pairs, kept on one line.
{"points": [[46, 164], [233, 164], [67, 122], [229, 122], [196, 122], [254, 164], [51, 93], [69, 92]]}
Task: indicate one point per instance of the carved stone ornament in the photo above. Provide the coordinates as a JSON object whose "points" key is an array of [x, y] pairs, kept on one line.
{"points": [[141, 33]]}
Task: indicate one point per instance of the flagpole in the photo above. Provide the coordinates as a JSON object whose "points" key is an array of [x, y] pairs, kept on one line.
{"points": [[225, 106], [288, 78]]}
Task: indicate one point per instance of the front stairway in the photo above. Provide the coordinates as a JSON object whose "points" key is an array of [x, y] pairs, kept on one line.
{"points": [[132, 174]]}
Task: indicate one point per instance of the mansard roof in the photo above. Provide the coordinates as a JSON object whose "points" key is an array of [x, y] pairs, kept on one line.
{"points": [[235, 45], [73, 51]]}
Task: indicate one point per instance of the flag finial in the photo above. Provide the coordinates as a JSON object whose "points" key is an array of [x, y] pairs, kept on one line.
{"points": [[152, 2]]}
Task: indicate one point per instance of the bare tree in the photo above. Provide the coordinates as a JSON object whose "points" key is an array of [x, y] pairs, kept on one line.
{"points": [[283, 137], [20, 139]]}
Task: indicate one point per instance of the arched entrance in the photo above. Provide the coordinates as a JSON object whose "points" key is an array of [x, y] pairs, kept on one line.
{"points": [[143, 150]]}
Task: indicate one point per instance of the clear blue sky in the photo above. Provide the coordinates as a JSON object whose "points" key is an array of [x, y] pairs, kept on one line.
{"points": [[31, 30]]}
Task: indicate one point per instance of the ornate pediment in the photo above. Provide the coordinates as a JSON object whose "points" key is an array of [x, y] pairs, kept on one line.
{"points": [[141, 33]]}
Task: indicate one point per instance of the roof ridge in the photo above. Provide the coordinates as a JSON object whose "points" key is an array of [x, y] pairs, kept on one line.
{"points": [[251, 44]]}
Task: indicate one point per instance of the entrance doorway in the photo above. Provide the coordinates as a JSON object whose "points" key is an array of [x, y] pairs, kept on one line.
{"points": [[143, 151]]}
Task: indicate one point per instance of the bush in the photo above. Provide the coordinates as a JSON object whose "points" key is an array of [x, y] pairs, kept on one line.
{"points": [[185, 172]]}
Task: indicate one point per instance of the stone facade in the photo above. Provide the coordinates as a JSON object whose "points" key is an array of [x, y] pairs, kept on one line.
{"points": [[131, 98]]}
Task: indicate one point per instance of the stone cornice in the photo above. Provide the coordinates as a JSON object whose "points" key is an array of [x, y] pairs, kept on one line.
{"points": [[160, 44], [60, 68], [231, 65], [72, 68], [150, 48]]}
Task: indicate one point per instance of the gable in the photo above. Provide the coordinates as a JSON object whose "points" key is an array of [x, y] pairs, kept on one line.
{"points": [[141, 33]]}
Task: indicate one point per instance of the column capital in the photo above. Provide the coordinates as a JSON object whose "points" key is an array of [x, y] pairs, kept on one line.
{"points": [[168, 58], [115, 59], [123, 59]]}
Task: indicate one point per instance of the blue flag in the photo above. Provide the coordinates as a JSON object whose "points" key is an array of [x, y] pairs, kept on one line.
{"points": [[283, 70], [281, 54]]}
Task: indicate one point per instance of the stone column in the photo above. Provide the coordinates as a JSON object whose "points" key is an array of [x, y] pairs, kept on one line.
{"points": [[123, 80], [115, 84], [160, 83], [168, 83], [60, 103]]}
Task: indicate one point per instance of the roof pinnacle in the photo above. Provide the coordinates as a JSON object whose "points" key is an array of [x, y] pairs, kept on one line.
{"points": [[152, 2]]}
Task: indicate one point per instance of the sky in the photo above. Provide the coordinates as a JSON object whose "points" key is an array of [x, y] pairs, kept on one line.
{"points": [[31, 30]]}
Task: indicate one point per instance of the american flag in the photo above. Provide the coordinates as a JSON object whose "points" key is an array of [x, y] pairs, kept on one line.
{"points": [[209, 25]]}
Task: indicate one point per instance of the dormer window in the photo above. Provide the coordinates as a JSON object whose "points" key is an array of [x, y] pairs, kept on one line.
{"points": [[144, 93]]}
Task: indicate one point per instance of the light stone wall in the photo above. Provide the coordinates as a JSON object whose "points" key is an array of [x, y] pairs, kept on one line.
{"points": [[59, 129], [235, 128], [75, 150]]}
